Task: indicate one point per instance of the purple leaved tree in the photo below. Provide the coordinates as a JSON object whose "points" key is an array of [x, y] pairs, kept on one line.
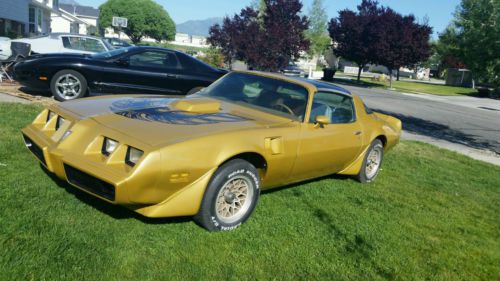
{"points": [[267, 38]]}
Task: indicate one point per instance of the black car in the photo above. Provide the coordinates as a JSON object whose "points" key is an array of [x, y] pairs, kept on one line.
{"points": [[294, 70], [139, 70]]}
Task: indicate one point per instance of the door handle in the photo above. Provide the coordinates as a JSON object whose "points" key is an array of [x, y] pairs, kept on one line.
{"points": [[171, 75], [357, 133]]}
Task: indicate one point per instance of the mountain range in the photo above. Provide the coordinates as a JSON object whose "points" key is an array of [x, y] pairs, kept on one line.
{"points": [[197, 27]]}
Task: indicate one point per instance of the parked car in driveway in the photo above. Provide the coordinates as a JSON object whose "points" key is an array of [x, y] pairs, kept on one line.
{"points": [[5, 51], [294, 70], [66, 43], [138, 69], [117, 43]]}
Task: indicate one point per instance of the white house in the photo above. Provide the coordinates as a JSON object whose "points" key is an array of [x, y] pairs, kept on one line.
{"points": [[182, 38], [65, 22], [26, 17], [75, 19]]}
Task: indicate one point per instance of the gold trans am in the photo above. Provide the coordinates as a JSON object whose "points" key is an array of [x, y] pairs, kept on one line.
{"points": [[208, 155]]}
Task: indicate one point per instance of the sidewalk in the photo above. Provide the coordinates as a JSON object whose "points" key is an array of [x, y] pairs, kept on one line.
{"points": [[9, 98], [471, 102]]}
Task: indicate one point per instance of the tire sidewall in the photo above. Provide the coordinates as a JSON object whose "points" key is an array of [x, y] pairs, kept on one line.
{"points": [[363, 177], [230, 170], [78, 75]]}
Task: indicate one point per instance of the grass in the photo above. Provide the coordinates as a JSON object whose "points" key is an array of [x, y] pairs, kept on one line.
{"points": [[430, 215], [413, 87]]}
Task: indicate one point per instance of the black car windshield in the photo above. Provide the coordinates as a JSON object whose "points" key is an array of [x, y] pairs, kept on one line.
{"points": [[270, 95], [110, 54]]}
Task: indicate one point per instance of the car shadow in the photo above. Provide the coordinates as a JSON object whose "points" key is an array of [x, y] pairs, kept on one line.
{"points": [[33, 92], [292, 185], [114, 211], [431, 129]]}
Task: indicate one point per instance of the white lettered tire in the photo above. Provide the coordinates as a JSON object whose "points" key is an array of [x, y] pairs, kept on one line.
{"points": [[231, 196]]}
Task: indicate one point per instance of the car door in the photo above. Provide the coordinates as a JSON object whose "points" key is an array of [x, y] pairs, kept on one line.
{"points": [[149, 71], [326, 149]]}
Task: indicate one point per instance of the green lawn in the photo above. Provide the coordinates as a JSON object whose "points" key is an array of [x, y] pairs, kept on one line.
{"points": [[414, 87], [431, 215]]}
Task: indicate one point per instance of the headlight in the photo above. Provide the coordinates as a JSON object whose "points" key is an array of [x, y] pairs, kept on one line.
{"points": [[133, 156], [50, 115], [59, 122], [108, 146]]}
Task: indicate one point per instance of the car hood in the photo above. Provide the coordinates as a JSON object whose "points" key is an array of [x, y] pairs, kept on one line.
{"points": [[160, 121]]}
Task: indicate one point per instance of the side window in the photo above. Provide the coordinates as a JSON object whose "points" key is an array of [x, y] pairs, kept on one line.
{"points": [[155, 59], [83, 44], [339, 108]]}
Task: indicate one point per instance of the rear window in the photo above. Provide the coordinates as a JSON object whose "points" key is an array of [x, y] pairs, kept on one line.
{"points": [[83, 44]]}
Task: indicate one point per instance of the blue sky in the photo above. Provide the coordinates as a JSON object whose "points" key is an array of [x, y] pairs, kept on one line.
{"points": [[439, 12]]}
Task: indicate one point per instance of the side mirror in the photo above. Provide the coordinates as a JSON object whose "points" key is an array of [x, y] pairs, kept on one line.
{"points": [[322, 120], [122, 62]]}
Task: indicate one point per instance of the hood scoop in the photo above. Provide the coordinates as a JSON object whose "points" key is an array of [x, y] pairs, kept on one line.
{"points": [[201, 106]]}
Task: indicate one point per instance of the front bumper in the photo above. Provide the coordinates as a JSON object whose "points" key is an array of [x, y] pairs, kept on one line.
{"points": [[30, 77], [79, 161]]}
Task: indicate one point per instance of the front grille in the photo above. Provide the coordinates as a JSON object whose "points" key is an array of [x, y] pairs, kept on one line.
{"points": [[90, 183], [35, 149]]}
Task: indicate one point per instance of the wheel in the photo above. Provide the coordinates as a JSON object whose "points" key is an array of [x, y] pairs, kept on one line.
{"points": [[68, 85], [231, 196], [372, 162], [194, 90]]}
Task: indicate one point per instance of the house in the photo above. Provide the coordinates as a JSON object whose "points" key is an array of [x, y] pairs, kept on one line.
{"points": [[182, 38], [198, 40], [75, 19], [26, 17]]}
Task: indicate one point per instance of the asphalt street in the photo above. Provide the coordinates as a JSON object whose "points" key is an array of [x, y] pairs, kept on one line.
{"points": [[468, 121]]}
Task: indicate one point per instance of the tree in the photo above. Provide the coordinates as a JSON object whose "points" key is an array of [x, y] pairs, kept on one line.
{"points": [[472, 39], [213, 56], [317, 32], [264, 40], [354, 36], [145, 18], [403, 41], [376, 34]]}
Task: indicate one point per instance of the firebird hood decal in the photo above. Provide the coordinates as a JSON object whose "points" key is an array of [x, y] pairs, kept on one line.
{"points": [[158, 110]]}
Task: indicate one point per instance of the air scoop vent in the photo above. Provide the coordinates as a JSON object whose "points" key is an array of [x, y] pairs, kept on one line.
{"points": [[203, 106]]}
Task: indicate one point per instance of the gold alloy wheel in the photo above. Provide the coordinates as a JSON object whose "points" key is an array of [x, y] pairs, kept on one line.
{"points": [[234, 199], [373, 162]]}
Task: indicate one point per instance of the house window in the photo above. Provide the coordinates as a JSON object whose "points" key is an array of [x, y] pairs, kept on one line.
{"points": [[74, 28], [39, 20], [32, 20]]}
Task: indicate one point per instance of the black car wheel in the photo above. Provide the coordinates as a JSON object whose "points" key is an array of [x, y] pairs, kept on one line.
{"points": [[68, 85], [372, 162], [231, 196]]}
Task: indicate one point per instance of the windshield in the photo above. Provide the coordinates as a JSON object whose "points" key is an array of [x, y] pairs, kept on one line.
{"points": [[270, 95], [110, 54]]}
